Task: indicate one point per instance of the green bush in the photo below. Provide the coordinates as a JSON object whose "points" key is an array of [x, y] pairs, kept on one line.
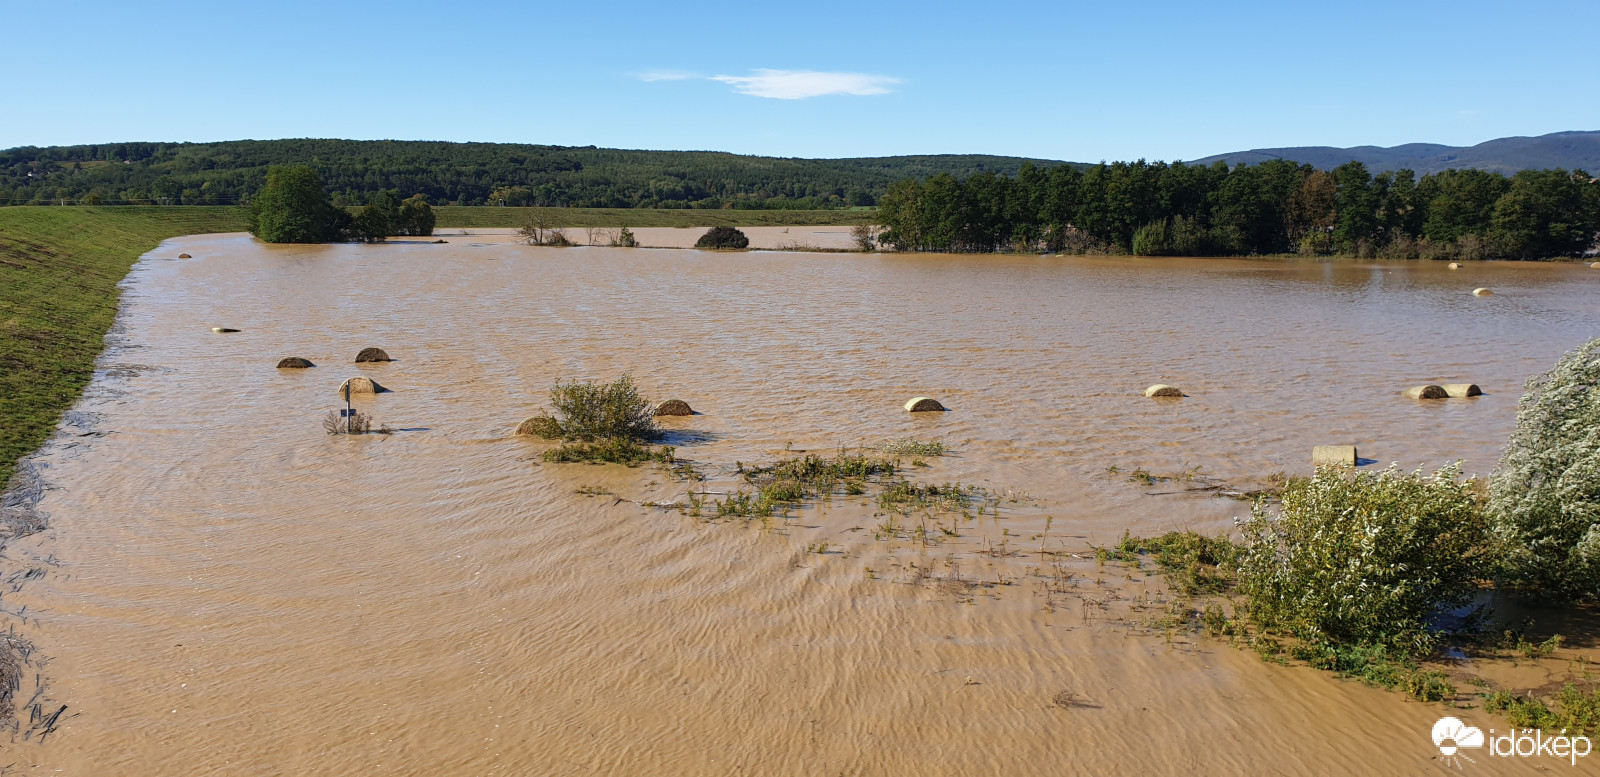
{"points": [[1544, 497], [293, 208], [1364, 559], [588, 411], [722, 237]]}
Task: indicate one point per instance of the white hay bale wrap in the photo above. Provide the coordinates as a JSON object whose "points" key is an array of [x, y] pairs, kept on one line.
{"points": [[1337, 455], [361, 385], [1426, 392], [1462, 390]]}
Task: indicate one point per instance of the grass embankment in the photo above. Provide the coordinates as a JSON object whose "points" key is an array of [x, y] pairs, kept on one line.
{"points": [[453, 217], [59, 270]]}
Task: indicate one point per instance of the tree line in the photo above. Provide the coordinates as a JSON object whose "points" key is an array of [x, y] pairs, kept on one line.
{"points": [[293, 207], [1276, 207], [228, 173]]}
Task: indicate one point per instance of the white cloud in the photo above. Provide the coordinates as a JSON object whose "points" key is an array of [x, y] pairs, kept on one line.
{"points": [[665, 75], [800, 84]]}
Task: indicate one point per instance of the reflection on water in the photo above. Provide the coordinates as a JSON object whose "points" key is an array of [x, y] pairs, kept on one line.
{"points": [[239, 593]]}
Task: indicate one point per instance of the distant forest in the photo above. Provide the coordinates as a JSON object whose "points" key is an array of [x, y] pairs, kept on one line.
{"points": [[232, 172], [1276, 207]]}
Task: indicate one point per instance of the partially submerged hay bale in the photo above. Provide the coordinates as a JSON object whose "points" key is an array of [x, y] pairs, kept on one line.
{"points": [[295, 363], [372, 355], [1340, 455], [362, 385], [1482, 293], [1427, 392], [1462, 390], [1595, 266], [184, 256], [540, 426], [1163, 390], [674, 407], [1455, 266], [923, 405], [222, 330]]}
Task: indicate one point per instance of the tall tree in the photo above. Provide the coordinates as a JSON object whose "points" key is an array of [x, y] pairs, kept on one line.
{"points": [[293, 208]]}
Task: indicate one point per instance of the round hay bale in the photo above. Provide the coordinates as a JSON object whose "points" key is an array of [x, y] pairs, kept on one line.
{"points": [[372, 355], [1455, 266], [1595, 266], [540, 426], [295, 363], [1163, 390], [923, 405], [222, 330], [674, 407], [1482, 293], [362, 385], [1427, 392], [1462, 390], [184, 256]]}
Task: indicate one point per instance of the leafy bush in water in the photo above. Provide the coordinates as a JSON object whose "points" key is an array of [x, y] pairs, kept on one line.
{"points": [[722, 237], [590, 411], [1545, 494], [1364, 559]]}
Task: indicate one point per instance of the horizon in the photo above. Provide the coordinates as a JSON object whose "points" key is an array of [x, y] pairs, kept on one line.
{"points": [[1099, 84], [778, 156]]}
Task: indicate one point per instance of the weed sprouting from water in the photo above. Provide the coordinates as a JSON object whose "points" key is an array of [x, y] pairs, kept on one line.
{"points": [[910, 446], [355, 423], [790, 482], [905, 495]]}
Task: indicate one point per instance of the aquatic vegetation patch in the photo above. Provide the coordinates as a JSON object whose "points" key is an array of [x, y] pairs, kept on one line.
{"points": [[911, 446], [789, 482], [1575, 709]]}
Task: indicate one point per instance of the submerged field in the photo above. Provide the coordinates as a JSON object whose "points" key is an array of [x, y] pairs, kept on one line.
{"points": [[59, 270], [442, 599]]}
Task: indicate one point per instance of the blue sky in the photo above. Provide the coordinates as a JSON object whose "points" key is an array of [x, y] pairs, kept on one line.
{"points": [[1064, 80]]}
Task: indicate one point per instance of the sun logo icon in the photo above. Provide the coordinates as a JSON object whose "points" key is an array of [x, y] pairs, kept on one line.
{"points": [[1451, 736]]}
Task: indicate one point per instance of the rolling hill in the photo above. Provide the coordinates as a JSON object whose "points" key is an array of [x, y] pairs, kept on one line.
{"points": [[1568, 150]]}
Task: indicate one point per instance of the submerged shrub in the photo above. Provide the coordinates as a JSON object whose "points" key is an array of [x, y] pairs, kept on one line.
{"points": [[1544, 497], [722, 237], [612, 450], [1364, 559], [1576, 710], [588, 411]]}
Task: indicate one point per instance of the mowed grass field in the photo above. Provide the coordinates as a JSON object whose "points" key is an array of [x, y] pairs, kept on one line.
{"points": [[60, 266]]}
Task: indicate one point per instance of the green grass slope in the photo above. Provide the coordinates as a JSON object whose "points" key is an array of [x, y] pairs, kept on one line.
{"points": [[59, 269]]}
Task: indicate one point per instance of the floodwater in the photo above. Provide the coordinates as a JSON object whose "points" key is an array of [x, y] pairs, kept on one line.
{"points": [[229, 590]]}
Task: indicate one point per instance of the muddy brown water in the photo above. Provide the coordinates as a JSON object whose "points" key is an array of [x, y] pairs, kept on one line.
{"points": [[235, 592]]}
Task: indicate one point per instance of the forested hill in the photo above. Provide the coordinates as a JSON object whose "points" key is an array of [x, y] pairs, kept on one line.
{"points": [[466, 173], [1564, 150]]}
